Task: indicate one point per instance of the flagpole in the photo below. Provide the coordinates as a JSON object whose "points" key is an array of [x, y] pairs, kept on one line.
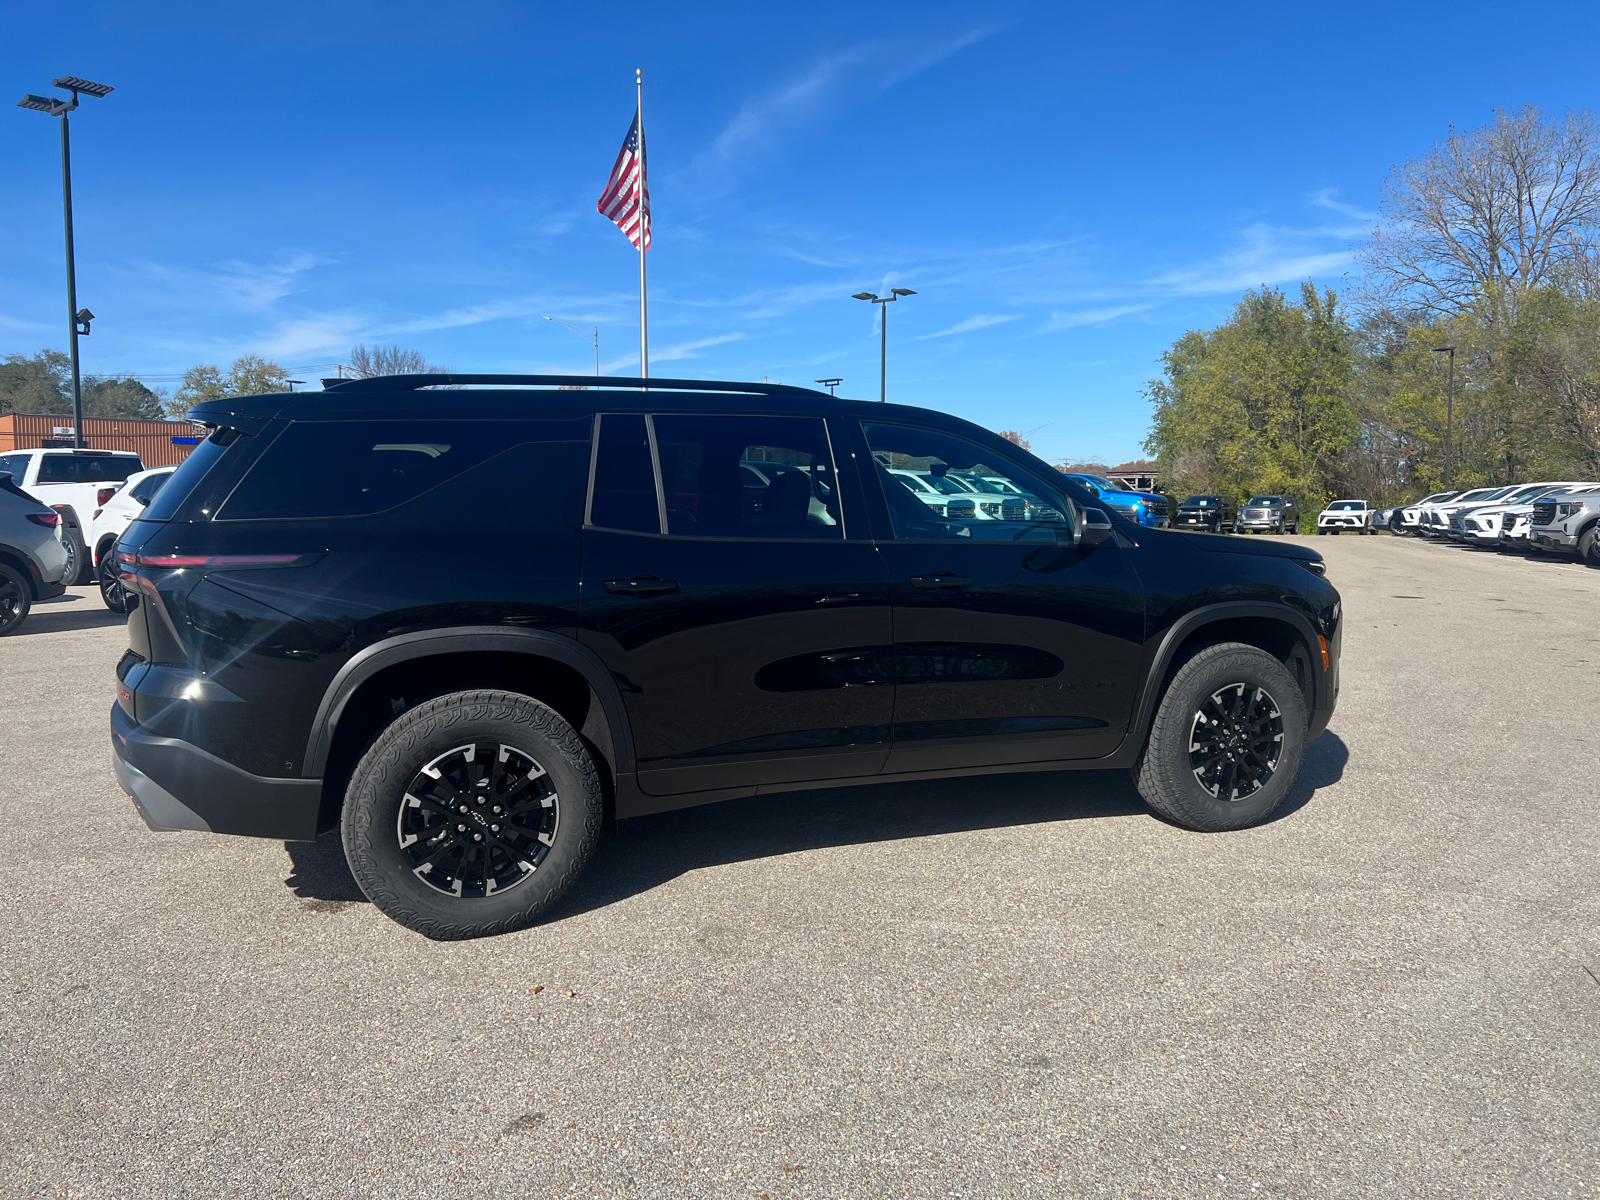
{"points": [[644, 226]]}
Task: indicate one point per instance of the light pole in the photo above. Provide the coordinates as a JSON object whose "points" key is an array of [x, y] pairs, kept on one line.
{"points": [[830, 384], [77, 320], [585, 337], [883, 320], [1449, 413]]}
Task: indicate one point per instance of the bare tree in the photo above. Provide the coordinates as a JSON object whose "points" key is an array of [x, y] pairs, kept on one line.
{"points": [[391, 360], [1487, 216]]}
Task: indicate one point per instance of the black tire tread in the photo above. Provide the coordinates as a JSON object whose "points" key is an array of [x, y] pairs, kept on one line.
{"points": [[393, 750], [1164, 780]]}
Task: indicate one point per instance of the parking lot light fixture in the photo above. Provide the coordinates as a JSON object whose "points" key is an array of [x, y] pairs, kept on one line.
{"points": [[830, 384], [595, 337], [883, 333], [77, 320], [1449, 412]]}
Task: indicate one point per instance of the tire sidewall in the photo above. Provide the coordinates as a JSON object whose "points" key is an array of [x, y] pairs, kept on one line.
{"points": [[25, 600], [378, 787], [1179, 794]]}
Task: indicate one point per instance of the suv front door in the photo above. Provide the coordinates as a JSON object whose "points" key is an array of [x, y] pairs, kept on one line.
{"points": [[1012, 644], [750, 636]]}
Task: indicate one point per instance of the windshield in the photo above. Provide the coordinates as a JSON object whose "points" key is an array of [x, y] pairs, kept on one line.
{"points": [[1202, 502], [1436, 498], [1266, 501], [1347, 506], [1479, 494], [988, 487], [1099, 481]]}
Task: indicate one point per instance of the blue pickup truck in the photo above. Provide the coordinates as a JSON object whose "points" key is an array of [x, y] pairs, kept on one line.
{"points": [[1147, 508]]}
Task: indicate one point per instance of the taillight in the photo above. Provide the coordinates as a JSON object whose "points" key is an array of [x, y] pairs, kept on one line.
{"points": [[95, 515], [48, 520], [103, 495]]}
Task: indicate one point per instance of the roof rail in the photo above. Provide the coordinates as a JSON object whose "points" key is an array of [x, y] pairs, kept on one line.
{"points": [[411, 383]]}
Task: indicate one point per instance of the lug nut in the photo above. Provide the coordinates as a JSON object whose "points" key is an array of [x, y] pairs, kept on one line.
{"points": [[461, 828]]}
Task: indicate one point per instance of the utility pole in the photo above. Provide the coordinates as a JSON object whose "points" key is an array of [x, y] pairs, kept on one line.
{"points": [[1449, 414], [77, 319]]}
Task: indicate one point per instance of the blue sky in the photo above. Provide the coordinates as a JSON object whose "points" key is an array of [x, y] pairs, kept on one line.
{"points": [[1068, 188]]}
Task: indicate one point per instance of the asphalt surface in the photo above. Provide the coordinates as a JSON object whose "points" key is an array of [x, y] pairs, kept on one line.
{"points": [[1023, 985]]}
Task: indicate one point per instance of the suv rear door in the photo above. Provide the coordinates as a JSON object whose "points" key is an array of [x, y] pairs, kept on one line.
{"points": [[737, 600]]}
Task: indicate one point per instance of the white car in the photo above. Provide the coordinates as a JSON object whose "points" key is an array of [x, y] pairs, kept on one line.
{"points": [[1408, 517], [108, 522], [1481, 524], [74, 483], [1438, 516], [949, 500], [1344, 515]]}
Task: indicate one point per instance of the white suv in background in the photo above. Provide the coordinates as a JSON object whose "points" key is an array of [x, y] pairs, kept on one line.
{"points": [[74, 483], [1346, 514], [1481, 524], [1410, 516], [108, 522], [1438, 515]]}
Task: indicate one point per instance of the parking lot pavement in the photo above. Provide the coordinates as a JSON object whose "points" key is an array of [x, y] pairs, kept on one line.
{"points": [[1020, 985]]}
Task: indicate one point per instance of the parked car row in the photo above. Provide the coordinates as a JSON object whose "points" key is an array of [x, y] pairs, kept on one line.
{"points": [[1554, 516]]}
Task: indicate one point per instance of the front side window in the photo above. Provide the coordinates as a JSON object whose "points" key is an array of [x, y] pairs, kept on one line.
{"points": [[747, 477], [1025, 507]]}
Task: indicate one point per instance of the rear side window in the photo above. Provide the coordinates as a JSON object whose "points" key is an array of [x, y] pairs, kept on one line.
{"points": [[319, 469], [88, 468], [145, 490], [185, 479], [15, 465], [747, 477]]}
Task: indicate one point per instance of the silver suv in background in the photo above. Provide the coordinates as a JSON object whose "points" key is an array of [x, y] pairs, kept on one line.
{"points": [[32, 557], [1272, 514], [1567, 524]]}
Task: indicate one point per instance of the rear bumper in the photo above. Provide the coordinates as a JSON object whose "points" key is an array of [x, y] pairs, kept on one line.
{"points": [[177, 785]]}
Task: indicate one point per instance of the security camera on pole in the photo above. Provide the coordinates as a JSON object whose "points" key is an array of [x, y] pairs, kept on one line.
{"points": [[77, 318], [883, 323]]}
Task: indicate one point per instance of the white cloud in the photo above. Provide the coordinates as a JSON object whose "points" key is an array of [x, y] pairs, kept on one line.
{"points": [[691, 349], [1325, 199], [981, 321], [1092, 316], [306, 336], [1269, 255]]}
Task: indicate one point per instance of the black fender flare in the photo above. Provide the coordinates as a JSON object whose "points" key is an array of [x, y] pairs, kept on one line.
{"points": [[1227, 611], [428, 643]]}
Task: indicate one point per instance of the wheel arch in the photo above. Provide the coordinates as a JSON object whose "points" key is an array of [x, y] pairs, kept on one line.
{"points": [[1284, 632], [22, 566], [409, 668]]}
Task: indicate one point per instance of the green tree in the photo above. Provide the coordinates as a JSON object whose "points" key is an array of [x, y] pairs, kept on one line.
{"points": [[250, 375], [1261, 403], [41, 384], [125, 397]]}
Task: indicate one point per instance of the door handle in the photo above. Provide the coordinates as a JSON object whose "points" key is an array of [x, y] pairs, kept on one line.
{"points": [[641, 585], [942, 582]]}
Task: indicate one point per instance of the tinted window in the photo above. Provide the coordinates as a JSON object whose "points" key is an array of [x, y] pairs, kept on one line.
{"points": [[88, 468], [16, 465], [358, 468], [752, 477], [624, 476], [144, 491], [185, 479], [906, 456], [1202, 502]]}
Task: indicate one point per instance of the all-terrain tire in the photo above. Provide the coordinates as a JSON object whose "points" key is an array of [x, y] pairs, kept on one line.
{"points": [[420, 736], [1166, 775]]}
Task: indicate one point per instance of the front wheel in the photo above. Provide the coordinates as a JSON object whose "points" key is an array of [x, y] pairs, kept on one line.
{"points": [[472, 814], [1589, 546], [1227, 741]]}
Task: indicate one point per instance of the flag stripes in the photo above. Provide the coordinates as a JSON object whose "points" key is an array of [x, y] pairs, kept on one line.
{"points": [[619, 203]]}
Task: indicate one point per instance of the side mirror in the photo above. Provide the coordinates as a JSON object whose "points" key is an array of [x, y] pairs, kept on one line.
{"points": [[1096, 527]]}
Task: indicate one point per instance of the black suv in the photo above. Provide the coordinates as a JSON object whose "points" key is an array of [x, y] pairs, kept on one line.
{"points": [[1205, 512], [470, 619]]}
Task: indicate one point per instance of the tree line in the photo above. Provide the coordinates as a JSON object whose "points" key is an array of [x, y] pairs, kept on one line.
{"points": [[1487, 243], [42, 383]]}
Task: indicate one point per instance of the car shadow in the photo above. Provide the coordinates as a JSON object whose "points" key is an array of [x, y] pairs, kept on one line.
{"points": [[650, 851], [45, 617]]}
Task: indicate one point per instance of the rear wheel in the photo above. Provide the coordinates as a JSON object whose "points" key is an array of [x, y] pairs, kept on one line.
{"points": [[116, 597], [472, 814], [1227, 742], [16, 598], [1589, 546]]}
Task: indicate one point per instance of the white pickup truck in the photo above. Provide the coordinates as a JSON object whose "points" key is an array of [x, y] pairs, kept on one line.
{"points": [[74, 483]]}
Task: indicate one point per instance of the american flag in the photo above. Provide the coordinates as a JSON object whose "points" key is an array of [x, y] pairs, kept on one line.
{"points": [[620, 201]]}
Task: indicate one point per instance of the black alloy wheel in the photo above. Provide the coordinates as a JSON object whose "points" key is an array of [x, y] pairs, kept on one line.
{"points": [[1236, 741], [69, 577], [1227, 741], [471, 814], [117, 598], [16, 598], [478, 820]]}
